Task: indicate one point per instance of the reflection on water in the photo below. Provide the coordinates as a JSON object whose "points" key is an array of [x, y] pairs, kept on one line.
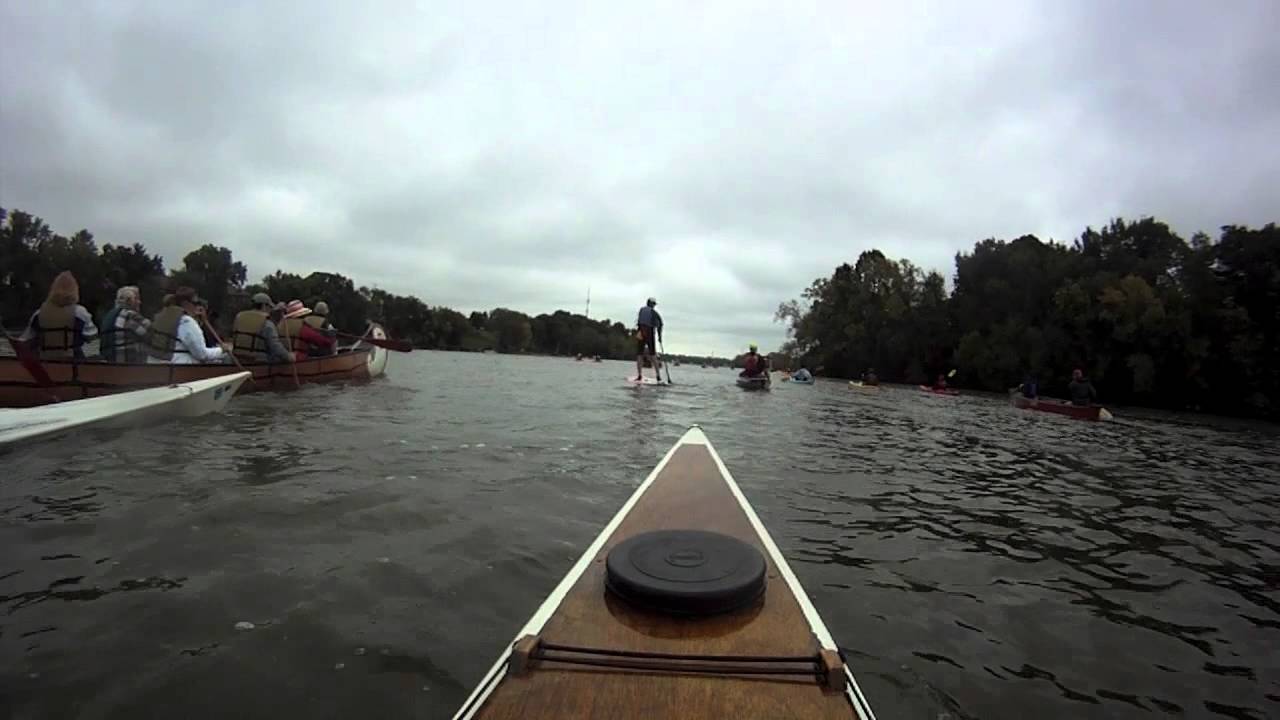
{"points": [[386, 541]]}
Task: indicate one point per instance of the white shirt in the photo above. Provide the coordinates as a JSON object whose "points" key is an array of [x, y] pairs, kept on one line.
{"points": [[191, 339]]}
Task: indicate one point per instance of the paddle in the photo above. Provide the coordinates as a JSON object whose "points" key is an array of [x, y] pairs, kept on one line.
{"points": [[293, 359], [666, 361], [32, 365], [230, 352], [397, 345]]}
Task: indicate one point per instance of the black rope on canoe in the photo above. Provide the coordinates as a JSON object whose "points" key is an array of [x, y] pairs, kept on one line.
{"points": [[700, 669], [810, 659]]}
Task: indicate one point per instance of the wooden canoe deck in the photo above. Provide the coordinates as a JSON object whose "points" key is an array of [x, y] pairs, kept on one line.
{"points": [[688, 493]]}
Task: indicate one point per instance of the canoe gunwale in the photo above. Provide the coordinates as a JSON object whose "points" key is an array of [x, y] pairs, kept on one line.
{"points": [[832, 670]]}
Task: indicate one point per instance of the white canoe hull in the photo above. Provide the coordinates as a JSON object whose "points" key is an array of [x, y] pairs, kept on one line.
{"points": [[192, 399]]}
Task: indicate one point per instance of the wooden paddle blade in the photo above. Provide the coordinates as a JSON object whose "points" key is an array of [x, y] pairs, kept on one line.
{"points": [[390, 344], [31, 363]]}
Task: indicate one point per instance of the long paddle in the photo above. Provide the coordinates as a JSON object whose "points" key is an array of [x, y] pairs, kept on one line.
{"points": [[32, 365], [397, 345], [293, 359], [666, 361], [230, 352]]}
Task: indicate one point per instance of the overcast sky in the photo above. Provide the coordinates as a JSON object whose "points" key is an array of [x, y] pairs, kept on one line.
{"points": [[719, 156]]}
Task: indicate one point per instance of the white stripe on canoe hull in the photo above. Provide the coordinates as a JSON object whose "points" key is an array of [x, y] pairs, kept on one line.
{"points": [[694, 436], [192, 399]]}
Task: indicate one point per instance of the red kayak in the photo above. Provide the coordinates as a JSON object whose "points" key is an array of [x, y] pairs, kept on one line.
{"points": [[1060, 407], [939, 391]]}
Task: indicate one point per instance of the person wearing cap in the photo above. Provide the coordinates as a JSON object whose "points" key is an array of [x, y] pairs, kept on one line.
{"points": [[61, 326], [753, 363], [254, 337], [303, 339], [124, 329], [648, 326], [175, 336], [319, 321]]}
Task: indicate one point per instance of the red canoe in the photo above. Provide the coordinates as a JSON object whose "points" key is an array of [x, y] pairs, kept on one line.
{"points": [[1060, 407], [939, 391]]}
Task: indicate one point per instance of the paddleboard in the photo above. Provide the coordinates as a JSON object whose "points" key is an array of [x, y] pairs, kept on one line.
{"points": [[646, 382]]}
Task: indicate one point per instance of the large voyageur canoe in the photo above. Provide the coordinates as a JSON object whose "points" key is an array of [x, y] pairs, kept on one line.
{"points": [[91, 378]]}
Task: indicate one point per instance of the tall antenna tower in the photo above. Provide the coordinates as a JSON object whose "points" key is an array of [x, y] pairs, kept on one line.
{"points": [[588, 312]]}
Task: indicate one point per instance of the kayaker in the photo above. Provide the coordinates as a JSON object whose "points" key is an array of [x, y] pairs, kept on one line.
{"points": [[61, 327], [940, 383], [803, 375], [648, 327], [253, 333], [318, 320], [1080, 389], [124, 329], [753, 363], [302, 338], [1029, 388], [870, 378], [176, 337]]}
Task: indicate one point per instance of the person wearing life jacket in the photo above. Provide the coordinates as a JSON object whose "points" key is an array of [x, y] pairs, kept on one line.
{"points": [[124, 329], [319, 321], [301, 337], [803, 375], [61, 327], [175, 336], [254, 336], [754, 364]]}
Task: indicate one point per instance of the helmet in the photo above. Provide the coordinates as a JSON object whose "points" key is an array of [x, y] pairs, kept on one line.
{"points": [[651, 301], [753, 346]]}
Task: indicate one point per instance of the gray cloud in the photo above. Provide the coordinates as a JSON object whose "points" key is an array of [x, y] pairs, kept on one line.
{"points": [[720, 159]]}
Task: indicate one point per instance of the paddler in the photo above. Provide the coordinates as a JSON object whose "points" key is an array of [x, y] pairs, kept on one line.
{"points": [[302, 338], [940, 383], [175, 336], [318, 320], [754, 364], [649, 327], [124, 329], [1080, 389], [870, 378], [803, 375], [61, 326], [254, 336]]}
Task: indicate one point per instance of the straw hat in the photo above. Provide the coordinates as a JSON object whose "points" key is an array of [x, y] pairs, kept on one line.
{"points": [[295, 308]]}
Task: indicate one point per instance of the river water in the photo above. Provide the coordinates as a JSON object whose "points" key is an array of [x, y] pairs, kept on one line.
{"points": [[385, 541]]}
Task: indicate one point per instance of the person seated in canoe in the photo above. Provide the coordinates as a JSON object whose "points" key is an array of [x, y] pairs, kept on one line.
{"points": [[753, 363], [648, 327], [870, 378], [1080, 389], [940, 383], [302, 338], [124, 329], [1029, 388], [176, 337], [319, 321], [803, 375], [254, 337], [61, 327]]}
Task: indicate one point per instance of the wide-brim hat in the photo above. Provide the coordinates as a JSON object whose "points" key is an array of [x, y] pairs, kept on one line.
{"points": [[295, 308]]}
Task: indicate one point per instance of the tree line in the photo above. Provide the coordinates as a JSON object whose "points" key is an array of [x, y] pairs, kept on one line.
{"points": [[1152, 318], [31, 254]]}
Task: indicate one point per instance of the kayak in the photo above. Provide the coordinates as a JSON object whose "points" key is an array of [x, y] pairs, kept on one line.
{"points": [[939, 391], [858, 384], [810, 381], [760, 382], [1060, 407], [682, 607], [139, 406]]}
